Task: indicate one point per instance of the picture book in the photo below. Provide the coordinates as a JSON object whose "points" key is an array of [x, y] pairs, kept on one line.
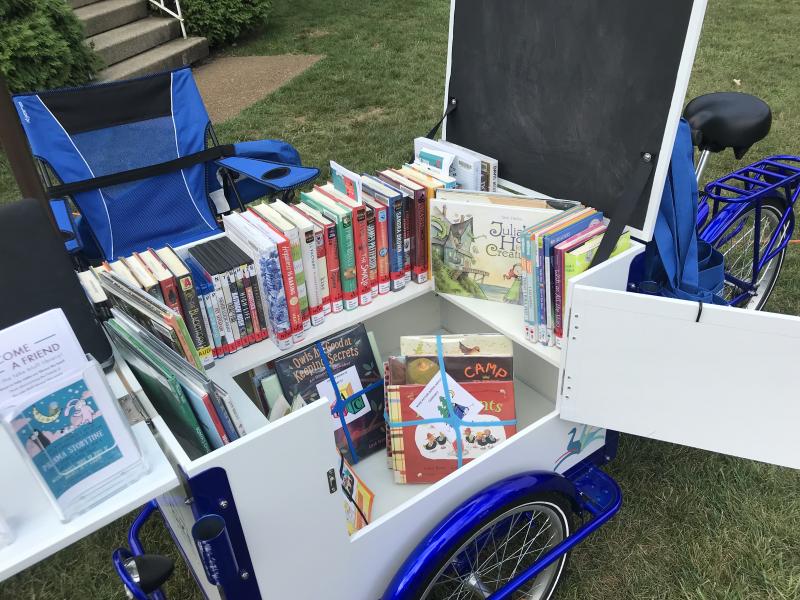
{"points": [[358, 499], [346, 182], [476, 248], [355, 366]]}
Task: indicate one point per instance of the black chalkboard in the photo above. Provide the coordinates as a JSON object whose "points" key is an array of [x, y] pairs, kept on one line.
{"points": [[566, 94]]}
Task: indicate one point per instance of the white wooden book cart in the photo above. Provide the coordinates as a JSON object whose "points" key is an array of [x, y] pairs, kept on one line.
{"points": [[569, 97]]}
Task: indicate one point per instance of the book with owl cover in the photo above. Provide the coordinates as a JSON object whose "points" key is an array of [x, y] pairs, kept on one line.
{"points": [[355, 366], [476, 248]]}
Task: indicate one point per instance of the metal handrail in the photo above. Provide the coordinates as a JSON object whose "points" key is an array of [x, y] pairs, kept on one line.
{"points": [[177, 13]]}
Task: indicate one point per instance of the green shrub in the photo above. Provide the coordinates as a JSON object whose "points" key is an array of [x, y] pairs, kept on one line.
{"points": [[222, 21], [41, 45]]}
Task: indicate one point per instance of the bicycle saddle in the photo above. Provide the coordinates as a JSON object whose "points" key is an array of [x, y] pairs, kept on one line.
{"points": [[728, 120]]}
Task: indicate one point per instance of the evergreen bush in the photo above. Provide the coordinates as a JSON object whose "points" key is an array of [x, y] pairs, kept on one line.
{"points": [[222, 21], [41, 45]]}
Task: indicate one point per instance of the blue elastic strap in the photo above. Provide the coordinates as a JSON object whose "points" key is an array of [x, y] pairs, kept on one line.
{"points": [[341, 403], [453, 420]]}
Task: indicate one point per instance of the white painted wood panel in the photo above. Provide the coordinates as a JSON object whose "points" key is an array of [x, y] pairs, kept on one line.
{"points": [[642, 365]]}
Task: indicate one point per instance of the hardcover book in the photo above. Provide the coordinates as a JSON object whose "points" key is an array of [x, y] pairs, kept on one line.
{"points": [[476, 248], [355, 367]]}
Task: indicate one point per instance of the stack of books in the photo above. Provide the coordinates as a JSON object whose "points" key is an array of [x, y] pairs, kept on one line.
{"points": [[479, 371], [553, 251]]}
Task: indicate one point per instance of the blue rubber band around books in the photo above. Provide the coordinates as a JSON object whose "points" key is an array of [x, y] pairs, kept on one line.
{"points": [[453, 420], [341, 403]]}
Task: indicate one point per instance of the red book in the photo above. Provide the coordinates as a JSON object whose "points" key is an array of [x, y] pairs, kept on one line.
{"points": [[427, 453], [381, 241], [212, 412], [166, 280], [360, 240], [287, 271]]}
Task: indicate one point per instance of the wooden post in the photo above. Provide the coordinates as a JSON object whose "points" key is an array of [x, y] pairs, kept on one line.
{"points": [[15, 144]]}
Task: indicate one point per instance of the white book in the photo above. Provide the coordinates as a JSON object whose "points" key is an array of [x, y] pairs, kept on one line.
{"points": [[258, 246], [488, 166], [308, 247], [466, 167], [293, 235], [322, 262]]}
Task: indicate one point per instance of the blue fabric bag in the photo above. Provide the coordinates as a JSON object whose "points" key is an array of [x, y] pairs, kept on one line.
{"points": [[677, 264]]}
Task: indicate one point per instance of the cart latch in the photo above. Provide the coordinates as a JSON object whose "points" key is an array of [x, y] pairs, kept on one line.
{"points": [[332, 481]]}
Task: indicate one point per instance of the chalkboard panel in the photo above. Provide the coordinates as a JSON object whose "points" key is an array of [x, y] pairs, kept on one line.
{"points": [[567, 95]]}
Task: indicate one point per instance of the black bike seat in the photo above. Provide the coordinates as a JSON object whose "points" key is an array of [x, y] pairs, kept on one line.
{"points": [[728, 120]]}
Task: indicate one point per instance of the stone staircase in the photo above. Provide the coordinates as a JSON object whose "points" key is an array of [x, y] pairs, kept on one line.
{"points": [[131, 40]]}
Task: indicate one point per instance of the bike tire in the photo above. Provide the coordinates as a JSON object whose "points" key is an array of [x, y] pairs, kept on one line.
{"points": [[735, 247], [439, 584]]}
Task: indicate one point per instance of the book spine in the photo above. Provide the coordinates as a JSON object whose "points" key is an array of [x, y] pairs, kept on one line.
{"points": [[361, 244], [541, 320], [372, 248], [258, 303], [221, 314], [178, 326], [290, 287], [299, 276], [382, 247], [308, 247], [322, 269], [247, 317], [558, 283], [230, 408], [215, 419], [188, 296], [213, 322], [235, 316], [201, 300], [523, 253], [169, 289], [231, 433], [548, 290], [275, 301], [408, 224], [249, 291], [420, 265], [533, 301], [334, 269], [396, 258]]}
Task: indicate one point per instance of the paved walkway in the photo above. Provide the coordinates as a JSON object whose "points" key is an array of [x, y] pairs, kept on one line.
{"points": [[232, 83]]}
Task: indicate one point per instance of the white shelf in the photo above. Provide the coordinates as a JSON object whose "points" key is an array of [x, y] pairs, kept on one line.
{"points": [[38, 532], [258, 354], [506, 319], [374, 471]]}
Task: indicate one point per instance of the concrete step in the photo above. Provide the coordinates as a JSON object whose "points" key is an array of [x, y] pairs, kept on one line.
{"points": [[78, 3], [172, 55], [108, 14], [134, 38]]}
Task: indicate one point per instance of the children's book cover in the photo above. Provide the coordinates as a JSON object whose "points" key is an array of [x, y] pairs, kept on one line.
{"points": [[358, 499], [476, 248], [355, 367], [428, 452]]}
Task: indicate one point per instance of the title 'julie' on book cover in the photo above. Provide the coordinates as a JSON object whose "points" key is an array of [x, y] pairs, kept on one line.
{"points": [[476, 248], [355, 368]]}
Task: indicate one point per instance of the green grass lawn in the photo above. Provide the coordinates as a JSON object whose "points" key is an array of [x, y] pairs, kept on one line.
{"points": [[694, 524]]}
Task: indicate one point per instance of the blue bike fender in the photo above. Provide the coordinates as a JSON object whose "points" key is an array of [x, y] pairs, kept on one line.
{"points": [[449, 533]]}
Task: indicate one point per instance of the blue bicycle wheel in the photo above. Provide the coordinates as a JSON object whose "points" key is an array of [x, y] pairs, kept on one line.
{"points": [[736, 243], [501, 547]]}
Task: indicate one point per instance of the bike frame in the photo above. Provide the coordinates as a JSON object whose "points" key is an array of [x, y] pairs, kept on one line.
{"points": [[740, 191]]}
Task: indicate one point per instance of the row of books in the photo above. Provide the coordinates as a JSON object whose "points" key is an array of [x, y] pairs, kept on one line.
{"points": [[553, 251], [480, 380]]}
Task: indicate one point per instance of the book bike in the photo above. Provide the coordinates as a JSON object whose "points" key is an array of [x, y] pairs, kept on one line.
{"points": [[512, 539], [546, 492]]}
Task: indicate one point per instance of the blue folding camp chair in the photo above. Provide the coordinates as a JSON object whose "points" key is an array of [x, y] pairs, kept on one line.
{"points": [[141, 163]]}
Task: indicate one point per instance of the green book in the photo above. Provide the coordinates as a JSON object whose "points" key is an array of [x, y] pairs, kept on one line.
{"points": [[344, 233], [578, 260], [162, 389]]}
